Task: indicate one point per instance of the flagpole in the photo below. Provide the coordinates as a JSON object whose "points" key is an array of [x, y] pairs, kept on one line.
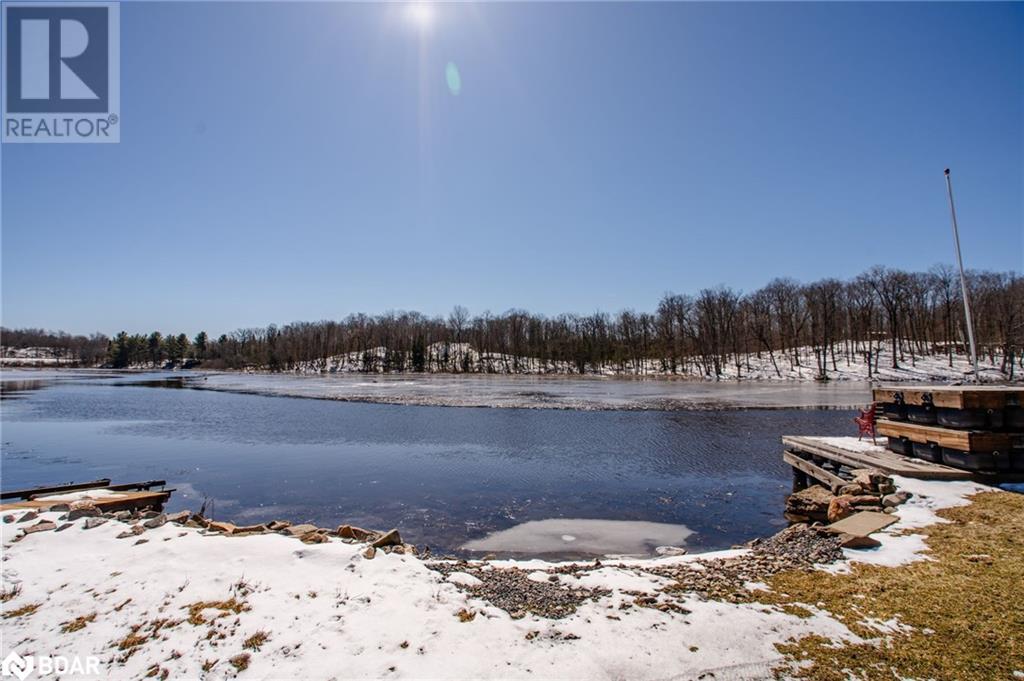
{"points": [[963, 280]]}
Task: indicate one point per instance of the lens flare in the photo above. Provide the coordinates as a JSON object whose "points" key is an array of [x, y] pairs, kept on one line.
{"points": [[420, 14], [452, 77]]}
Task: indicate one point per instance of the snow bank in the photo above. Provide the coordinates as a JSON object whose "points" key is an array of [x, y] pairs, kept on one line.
{"points": [[163, 601], [329, 612]]}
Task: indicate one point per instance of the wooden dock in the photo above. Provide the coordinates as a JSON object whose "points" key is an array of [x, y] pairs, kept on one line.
{"points": [[100, 493], [829, 460], [952, 396]]}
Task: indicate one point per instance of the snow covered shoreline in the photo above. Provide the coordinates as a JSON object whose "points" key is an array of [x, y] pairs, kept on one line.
{"points": [[187, 604]]}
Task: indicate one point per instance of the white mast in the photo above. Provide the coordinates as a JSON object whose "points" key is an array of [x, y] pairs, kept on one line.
{"points": [[963, 281]]}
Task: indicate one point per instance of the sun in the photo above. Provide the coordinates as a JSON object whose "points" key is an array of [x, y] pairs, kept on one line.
{"points": [[420, 14]]}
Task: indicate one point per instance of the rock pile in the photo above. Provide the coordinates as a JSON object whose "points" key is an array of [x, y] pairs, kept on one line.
{"points": [[515, 592], [869, 490]]}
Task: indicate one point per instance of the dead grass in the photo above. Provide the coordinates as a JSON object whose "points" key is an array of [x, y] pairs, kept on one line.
{"points": [[23, 611], [77, 623], [141, 633], [133, 640], [256, 641], [240, 661], [195, 610], [8, 594], [965, 606]]}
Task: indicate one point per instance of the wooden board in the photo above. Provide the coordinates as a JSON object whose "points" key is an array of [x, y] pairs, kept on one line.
{"points": [[862, 524], [954, 396], [103, 483], [27, 493], [888, 462], [120, 502], [815, 471], [961, 440]]}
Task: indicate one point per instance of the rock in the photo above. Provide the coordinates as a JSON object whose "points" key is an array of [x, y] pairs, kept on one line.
{"points": [[314, 537], [132, 531], [140, 541], [357, 533], [839, 508], [852, 541], [154, 522], [217, 526], [278, 525], [866, 500], [891, 500], [870, 478], [852, 489], [250, 529], [299, 530], [8, 518], [149, 513], [63, 526], [83, 509], [369, 553], [123, 516], [59, 508], [389, 538], [670, 551], [896, 499], [811, 503], [31, 515], [41, 526], [181, 517], [93, 522]]}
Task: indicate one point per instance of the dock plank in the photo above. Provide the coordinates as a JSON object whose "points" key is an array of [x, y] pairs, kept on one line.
{"points": [[862, 524], [875, 457], [961, 440], [814, 470]]}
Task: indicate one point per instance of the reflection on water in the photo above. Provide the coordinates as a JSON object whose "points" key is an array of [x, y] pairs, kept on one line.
{"points": [[444, 476]]}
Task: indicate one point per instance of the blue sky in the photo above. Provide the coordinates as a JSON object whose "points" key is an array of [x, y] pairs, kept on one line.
{"points": [[282, 161]]}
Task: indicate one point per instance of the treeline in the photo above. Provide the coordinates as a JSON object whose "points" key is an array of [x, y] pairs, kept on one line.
{"points": [[84, 350], [712, 333]]}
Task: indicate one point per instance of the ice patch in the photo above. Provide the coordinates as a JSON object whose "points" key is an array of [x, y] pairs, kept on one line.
{"points": [[581, 535]]}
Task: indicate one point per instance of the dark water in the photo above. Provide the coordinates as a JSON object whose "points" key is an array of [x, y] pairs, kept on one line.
{"points": [[442, 475]]}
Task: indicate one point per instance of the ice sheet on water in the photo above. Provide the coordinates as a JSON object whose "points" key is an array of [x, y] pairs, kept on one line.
{"points": [[582, 535], [544, 392]]}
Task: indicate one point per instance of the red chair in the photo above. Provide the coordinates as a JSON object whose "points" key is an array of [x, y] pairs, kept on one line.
{"points": [[866, 423]]}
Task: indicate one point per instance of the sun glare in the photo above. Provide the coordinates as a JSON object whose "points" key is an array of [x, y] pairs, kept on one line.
{"points": [[420, 14]]}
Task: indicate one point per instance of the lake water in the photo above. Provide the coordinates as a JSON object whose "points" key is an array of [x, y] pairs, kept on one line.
{"points": [[443, 475]]}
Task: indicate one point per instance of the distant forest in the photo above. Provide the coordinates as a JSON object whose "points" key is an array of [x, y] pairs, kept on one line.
{"points": [[909, 314]]}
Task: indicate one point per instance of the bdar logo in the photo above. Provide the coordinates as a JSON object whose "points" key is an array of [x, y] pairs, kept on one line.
{"points": [[16, 665]]}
